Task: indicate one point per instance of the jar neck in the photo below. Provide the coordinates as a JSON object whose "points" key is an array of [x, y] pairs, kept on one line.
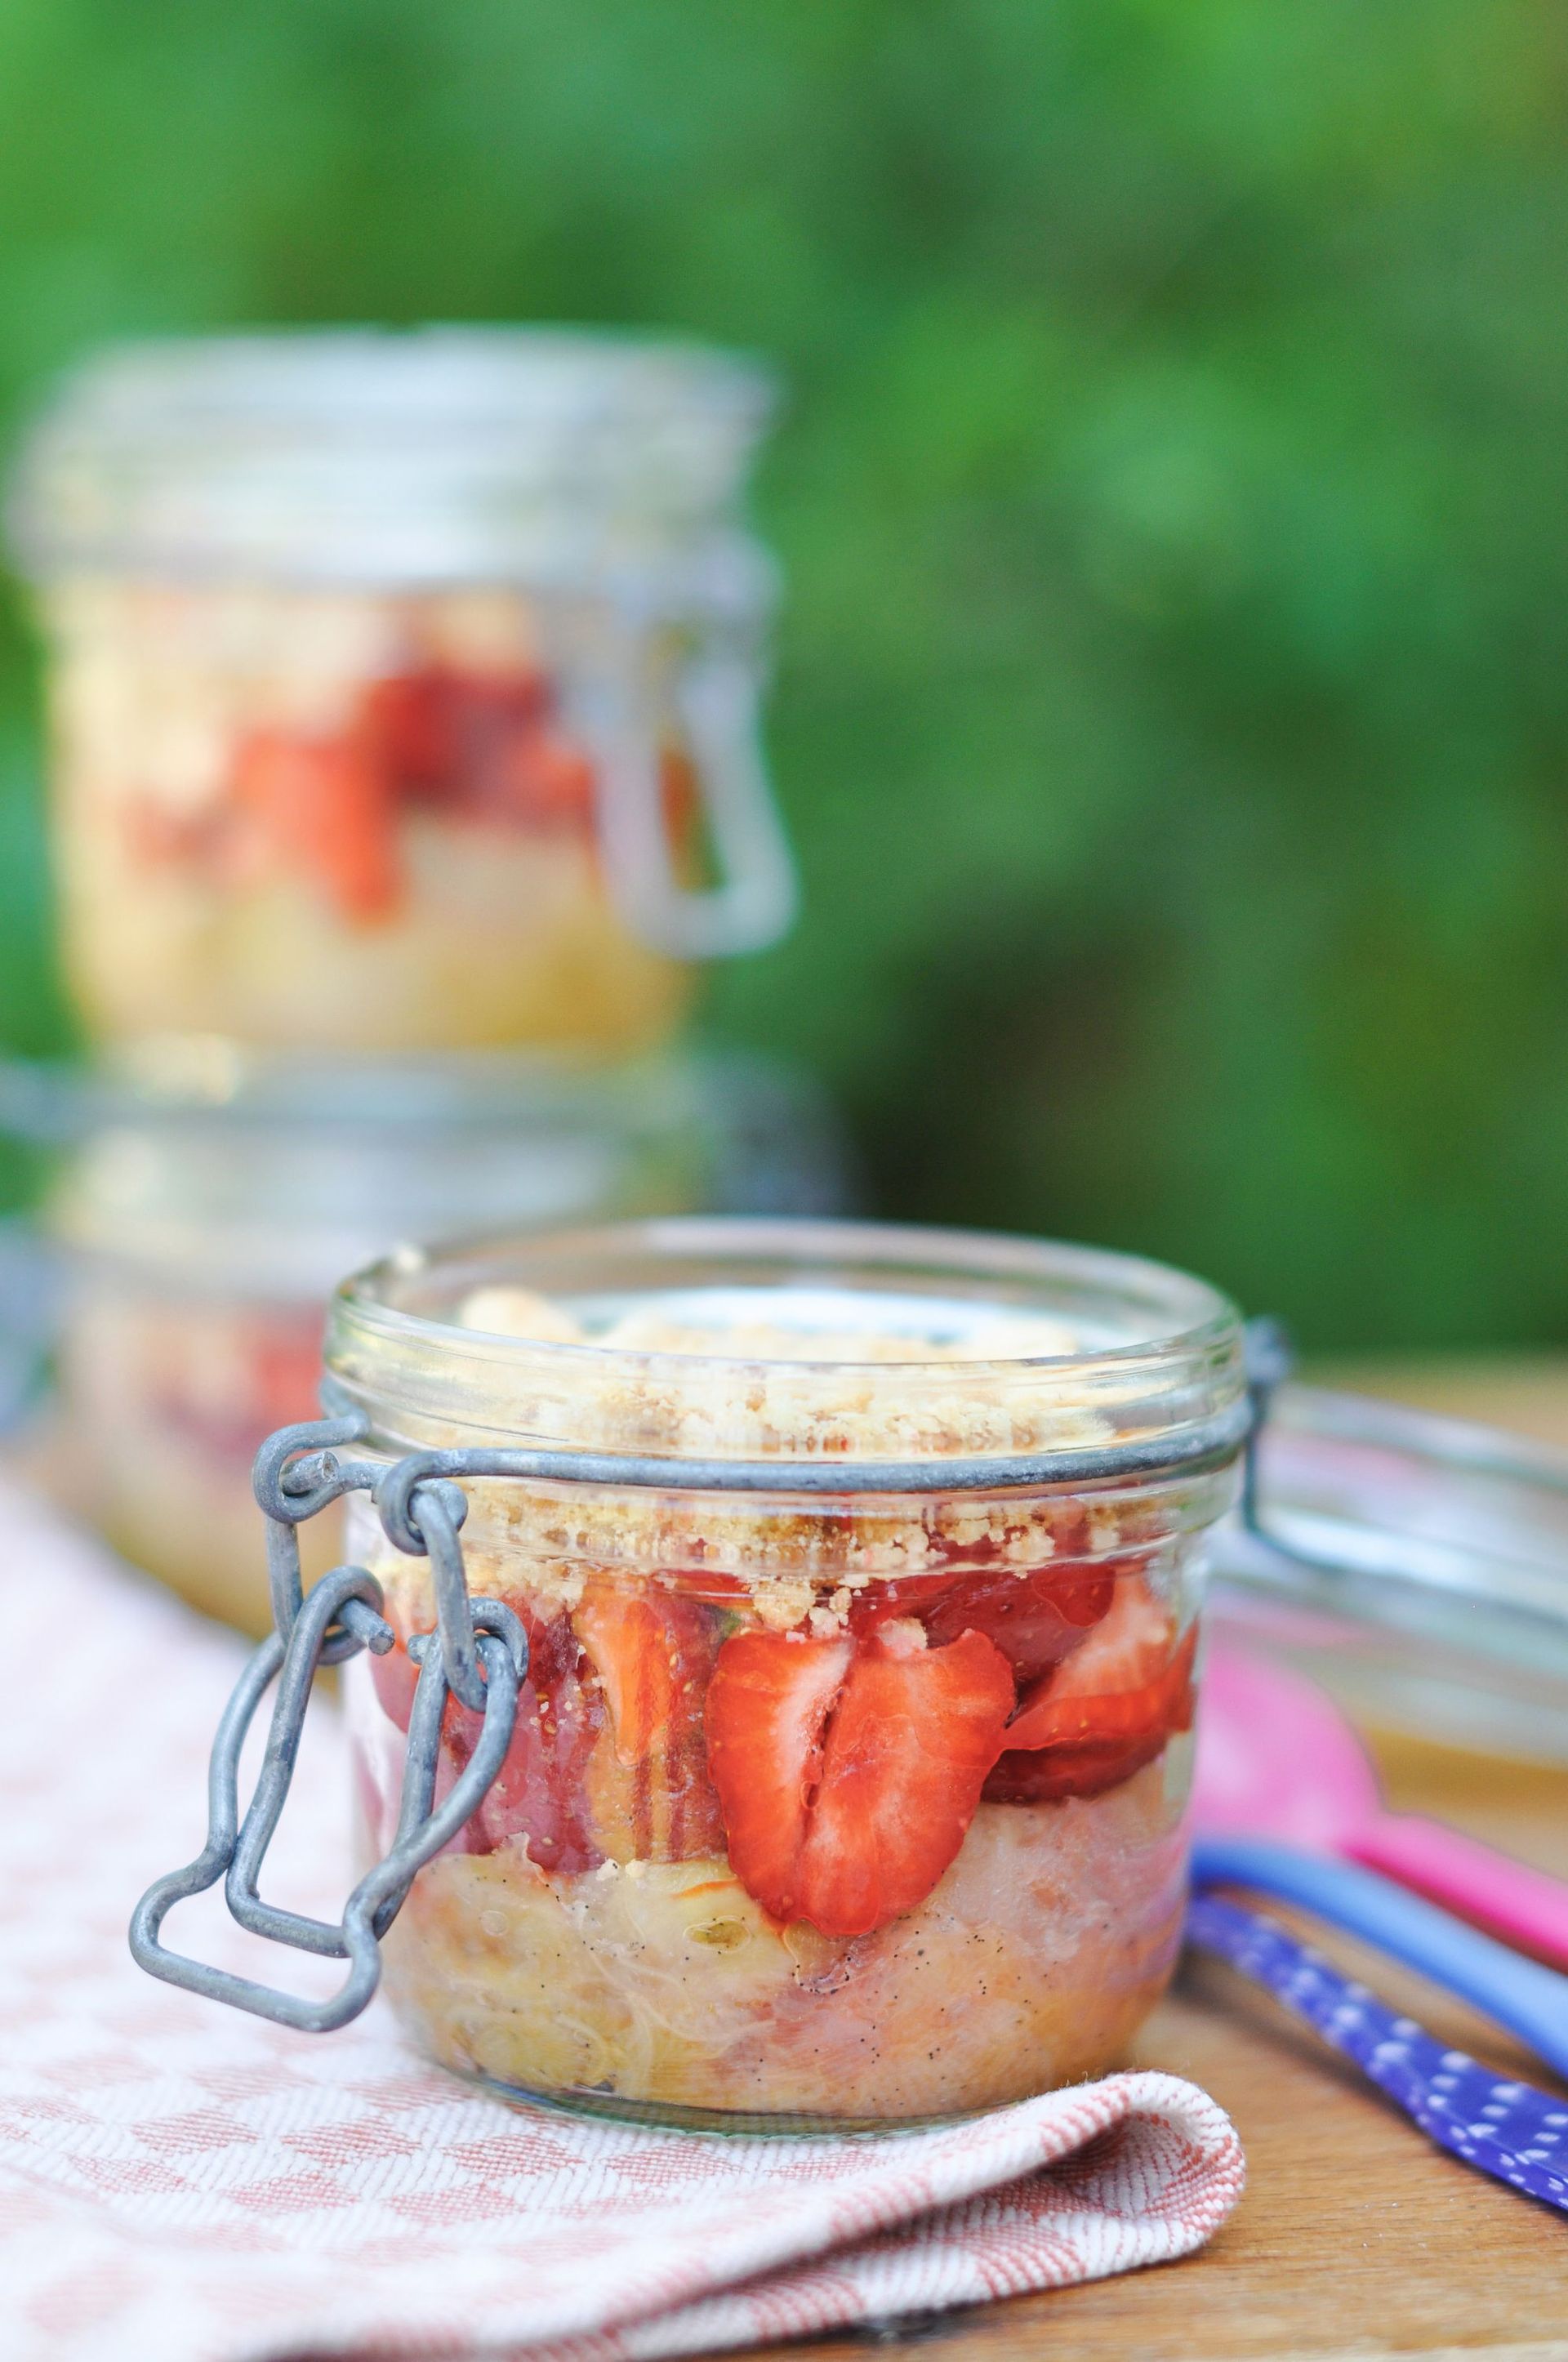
{"points": [[1087, 1394], [394, 461]]}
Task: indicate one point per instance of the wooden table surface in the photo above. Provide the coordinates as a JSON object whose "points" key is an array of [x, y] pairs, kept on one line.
{"points": [[1355, 2237]]}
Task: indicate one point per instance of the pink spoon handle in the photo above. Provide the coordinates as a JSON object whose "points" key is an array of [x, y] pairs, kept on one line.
{"points": [[1522, 1906]]}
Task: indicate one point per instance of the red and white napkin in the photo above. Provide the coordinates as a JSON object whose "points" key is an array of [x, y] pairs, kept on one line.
{"points": [[181, 2183]]}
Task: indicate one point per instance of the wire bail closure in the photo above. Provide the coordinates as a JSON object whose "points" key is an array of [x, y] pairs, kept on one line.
{"points": [[479, 1655], [479, 1649]]}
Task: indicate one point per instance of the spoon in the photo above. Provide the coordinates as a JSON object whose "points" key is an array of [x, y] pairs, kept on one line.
{"points": [[1504, 2128], [1530, 2001], [1277, 1759]]}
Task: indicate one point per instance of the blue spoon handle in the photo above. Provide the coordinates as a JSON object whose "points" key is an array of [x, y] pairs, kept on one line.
{"points": [[1530, 2001], [1509, 2130]]}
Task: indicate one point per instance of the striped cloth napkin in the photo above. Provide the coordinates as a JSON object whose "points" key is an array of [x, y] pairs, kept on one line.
{"points": [[180, 2181]]}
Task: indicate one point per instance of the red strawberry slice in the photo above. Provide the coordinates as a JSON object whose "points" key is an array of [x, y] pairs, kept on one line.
{"points": [[477, 743], [849, 1768], [326, 804], [439, 731], [1050, 1773], [1035, 1619], [547, 783], [635, 1644], [1104, 1711], [768, 1708], [648, 1784], [1103, 1690], [408, 724], [539, 1793]]}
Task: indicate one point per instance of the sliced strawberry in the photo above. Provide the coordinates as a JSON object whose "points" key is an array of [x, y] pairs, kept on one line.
{"points": [[1035, 1618], [438, 730], [326, 804], [647, 1784], [478, 743], [712, 1586], [906, 1754], [1105, 1710], [849, 1769], [1108, 1687], [768, 1707], [539, 1793], [637, 1655], [1090, 1769], [409, 723], [495, 719]]}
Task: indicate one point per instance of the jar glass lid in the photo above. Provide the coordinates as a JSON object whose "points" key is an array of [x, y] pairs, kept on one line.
{"points": [[793, 1340], [1416, 1564], [415, 456]]}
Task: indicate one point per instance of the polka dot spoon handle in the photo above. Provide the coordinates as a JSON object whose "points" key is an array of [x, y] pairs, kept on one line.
{"points": [[1509, 2130]]}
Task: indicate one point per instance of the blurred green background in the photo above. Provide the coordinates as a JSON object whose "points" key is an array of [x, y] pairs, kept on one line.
{"points": [[1172, 710]]}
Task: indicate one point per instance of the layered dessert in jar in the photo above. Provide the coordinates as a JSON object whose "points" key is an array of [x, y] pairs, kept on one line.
{"points": [[849, 1807], [403, 688], [163, 1399], [336, 819]]}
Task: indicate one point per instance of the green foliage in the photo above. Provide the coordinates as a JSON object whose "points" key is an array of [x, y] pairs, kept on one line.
{"points": [[1172, 708]]}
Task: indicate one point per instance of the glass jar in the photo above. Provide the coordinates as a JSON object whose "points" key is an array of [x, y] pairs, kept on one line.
{"points": [[402, 687], [201, 1242], [1415, 1566], [847, 1807]]}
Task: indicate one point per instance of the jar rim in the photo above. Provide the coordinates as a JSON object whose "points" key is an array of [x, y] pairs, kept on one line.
{"points": [[254, 1181], [405, 456], [1164, 1352], [208, 1083]]}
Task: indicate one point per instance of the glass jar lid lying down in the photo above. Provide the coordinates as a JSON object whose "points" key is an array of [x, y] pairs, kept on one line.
{"points": [[1418, 1565]]}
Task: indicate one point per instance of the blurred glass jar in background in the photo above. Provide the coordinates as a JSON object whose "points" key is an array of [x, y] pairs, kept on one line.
{"points": [[1415, 1566], [404, 688], [200, 1241]]}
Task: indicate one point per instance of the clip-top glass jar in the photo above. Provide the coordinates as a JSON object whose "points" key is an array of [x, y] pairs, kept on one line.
{"points": [[200, 1240], [403, 686], [848, 1775], [1417, 1567]]}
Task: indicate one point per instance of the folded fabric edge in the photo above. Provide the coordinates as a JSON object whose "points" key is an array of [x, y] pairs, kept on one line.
{"points": [[826, 2257]]}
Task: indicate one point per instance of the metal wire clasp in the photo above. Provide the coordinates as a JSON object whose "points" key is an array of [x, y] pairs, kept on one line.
{"points": [[479, 1652]]}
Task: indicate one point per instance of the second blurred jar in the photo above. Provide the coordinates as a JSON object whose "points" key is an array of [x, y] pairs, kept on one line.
{"points": [[404, 688], [201, 1242]]}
